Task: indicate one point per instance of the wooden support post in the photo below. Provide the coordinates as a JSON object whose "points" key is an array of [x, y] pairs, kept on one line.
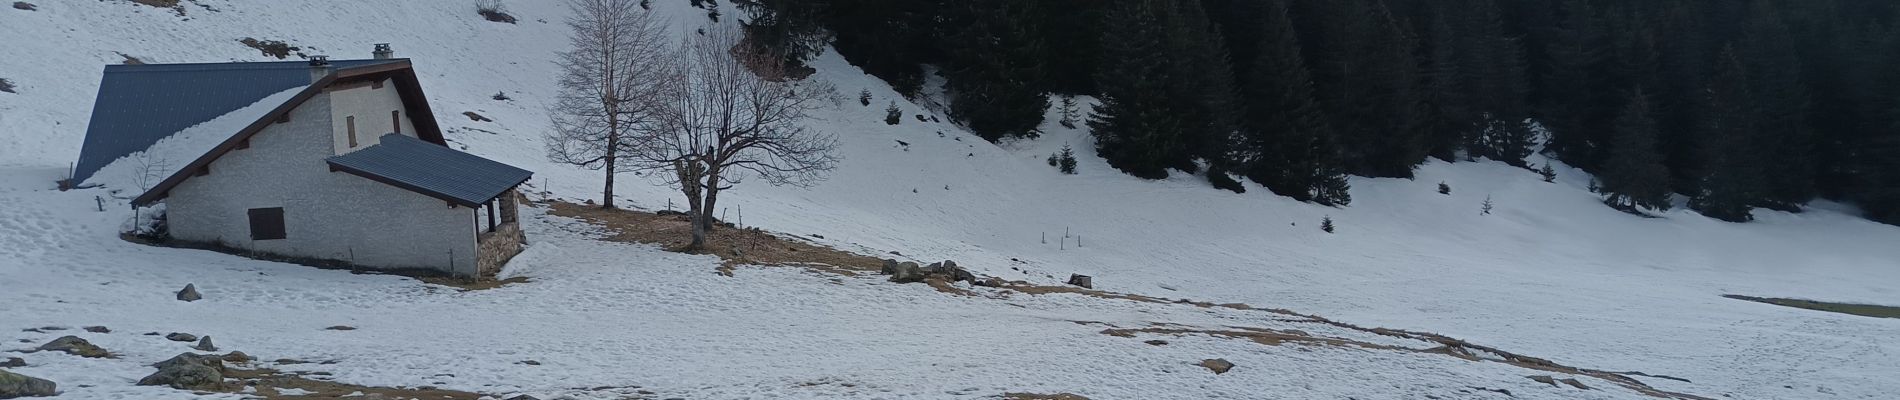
{"points": [[491, 215]]}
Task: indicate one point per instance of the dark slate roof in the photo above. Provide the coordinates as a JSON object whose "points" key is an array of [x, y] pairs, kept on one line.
{"points": [[140, 104], [432, 169]]}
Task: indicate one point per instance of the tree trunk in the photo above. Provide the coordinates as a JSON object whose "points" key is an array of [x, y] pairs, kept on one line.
{"points": [[712, 197], [613, 141]]}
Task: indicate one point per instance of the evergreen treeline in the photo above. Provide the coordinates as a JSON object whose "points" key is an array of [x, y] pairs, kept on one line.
{"points": [[1734, 105]]}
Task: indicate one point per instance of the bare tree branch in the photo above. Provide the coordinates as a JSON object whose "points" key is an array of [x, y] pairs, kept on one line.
{"points": [[729, 113], [609, 86]]}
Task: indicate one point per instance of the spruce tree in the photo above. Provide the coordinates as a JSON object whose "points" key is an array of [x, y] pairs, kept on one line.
{"points": [[995, 67], [1568, 84], [1729, 184], [1634, 177], [1781, 102], [1136, 126], [1285, 144], [1366, 82]]}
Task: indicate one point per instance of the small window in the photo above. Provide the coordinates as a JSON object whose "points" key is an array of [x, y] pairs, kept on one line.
{"points": [[267, 223], [395, 119], [351, 122], [378, 84]]}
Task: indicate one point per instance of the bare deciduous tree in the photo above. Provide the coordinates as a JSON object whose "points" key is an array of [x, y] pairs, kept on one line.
{"points": [[609, 83], [728, 115]]}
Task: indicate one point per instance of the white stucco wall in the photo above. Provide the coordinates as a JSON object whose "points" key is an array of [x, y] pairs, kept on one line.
{"points": [[371, 107], [327, 215]]}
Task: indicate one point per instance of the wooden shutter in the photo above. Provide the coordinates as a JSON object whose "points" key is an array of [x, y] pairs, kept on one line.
{"points": [[351, 122], [395, 119], [267, 223]]}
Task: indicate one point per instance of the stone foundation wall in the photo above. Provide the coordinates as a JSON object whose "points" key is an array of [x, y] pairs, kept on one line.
{"points": [[494, 249]]}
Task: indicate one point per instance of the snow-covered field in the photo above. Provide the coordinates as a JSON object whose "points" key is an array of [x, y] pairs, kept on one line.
{"points": [[1549, 273]]}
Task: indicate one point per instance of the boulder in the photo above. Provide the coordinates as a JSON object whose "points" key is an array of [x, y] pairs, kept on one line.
{"points": [[1574, 383], [237, 357], [189, 293], [994, 282], [181, 337], [187, 377], [209, 360], [98, 329], [1218, 365], [204, 344], [188, 371], [890, 267], [14, 385], [13, 362], [1544, 379], [75, 346], [907, 272], [960, 274], [523, 397], [934, 268], [341, 328], [1084, 281]]}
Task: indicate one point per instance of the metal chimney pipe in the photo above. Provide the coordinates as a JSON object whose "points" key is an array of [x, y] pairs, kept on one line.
{"points": [[383, 52]]}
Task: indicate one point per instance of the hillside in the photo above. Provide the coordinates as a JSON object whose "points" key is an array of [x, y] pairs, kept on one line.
{"points": [[1548, 273]]}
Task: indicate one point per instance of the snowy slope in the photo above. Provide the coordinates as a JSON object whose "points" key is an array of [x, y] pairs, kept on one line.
{"points": [[1550, 272]]}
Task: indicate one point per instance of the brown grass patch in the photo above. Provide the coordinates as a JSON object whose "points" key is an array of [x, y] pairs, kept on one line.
{"points": [[268, 381], [736, 246], [1039, 396]]}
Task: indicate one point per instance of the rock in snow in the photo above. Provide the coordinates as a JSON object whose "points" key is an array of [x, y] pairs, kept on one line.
{"points": [[189, 293], [188, 371], [204, 344], [75, 346], [890, 267], [907, 272], [237, 357], [98, 329], [15, 385], [13, 362], [1218, 365], [1544, 379], [181, 337], [1084, 281]]}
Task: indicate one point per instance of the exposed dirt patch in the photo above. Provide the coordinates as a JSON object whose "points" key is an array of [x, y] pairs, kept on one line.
{"points": [[273, 48], [1865, 310], [268, 382], [737, 246], [1038, 396]]}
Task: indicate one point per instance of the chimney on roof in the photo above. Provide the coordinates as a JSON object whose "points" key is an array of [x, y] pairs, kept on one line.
{"points": [[383, 52], [319, 67]]}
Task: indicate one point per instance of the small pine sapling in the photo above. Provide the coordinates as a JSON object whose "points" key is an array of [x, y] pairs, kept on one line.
{"points": [[1486, 210], [864, 97], [1550, 175], [1326, 224], [1067, 160], [1444, 188], [1055, 160], [500, 96], [1068, 111], [893, 115]]}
